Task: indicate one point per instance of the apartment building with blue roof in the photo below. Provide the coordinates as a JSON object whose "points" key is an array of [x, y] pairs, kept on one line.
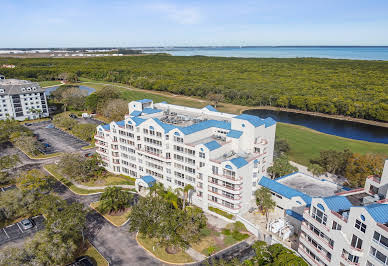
{"points": [[222, 155]]}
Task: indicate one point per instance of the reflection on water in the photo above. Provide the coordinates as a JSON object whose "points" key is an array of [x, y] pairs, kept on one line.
{"points": [[84, 88], [346, 129]]}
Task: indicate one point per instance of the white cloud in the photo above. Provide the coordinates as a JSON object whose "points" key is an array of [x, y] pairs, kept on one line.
{"points": [[181, 15]]}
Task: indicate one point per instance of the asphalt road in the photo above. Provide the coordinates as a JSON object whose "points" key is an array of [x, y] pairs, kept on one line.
{"points": [[116, 244]]}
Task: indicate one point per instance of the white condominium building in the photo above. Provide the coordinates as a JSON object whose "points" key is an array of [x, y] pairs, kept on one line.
{"points": [[221, 155], [21, 99], [349, 228]]}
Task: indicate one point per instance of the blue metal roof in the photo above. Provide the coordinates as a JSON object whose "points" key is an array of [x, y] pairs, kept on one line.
{"points": [[151, 111], [121, 123], [283, 189], [149, 180], [144, 101], [234, 134], [239, 162], [379, 212], [212, 145], [164, 102], [167, 127], [269, 122], [138, 120], [337, 203], [135, 113], [295, 215], [106, 127], [205, 125], [254, 120], [210, 108]]}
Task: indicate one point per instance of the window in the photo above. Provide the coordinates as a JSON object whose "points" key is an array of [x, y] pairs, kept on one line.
{"points": [[336, 226], [378, 255], [382, 240], [360, 226], [356, 242], [215, 170], [350, 257], [202, 155], [319, 216]]}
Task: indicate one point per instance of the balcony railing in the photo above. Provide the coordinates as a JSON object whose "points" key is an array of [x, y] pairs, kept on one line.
{"points": [[316, 249], [234, 208], [305, 226], [237, 188], [238, 197], [310, 257], [348, 261], [99, 137], [315, 222]]}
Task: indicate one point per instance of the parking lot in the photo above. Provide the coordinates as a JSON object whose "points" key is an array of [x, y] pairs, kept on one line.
{"points": [[57, 140], [3, 189], [15, 231]]}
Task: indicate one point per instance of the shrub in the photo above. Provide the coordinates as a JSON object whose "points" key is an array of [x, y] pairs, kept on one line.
{"points": [[221, 212], [239, 226], [226, 232], [239, 236], [205, 232]]}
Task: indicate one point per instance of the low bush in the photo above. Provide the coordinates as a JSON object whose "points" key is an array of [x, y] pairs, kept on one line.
{"points": [[226, 232], [239, 226], [239, 236], [205, 232], [221, 212]]}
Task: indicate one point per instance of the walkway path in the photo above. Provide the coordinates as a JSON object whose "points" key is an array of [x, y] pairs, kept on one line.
{"points": [[197, 256]]}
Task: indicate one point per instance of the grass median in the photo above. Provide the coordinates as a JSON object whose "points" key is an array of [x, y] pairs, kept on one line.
{"points": [[160, 252], [117, 219], [53, 170]]}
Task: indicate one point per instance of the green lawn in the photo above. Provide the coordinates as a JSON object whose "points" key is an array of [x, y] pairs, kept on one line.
{"points": [[116, 220], [52, 168], [49, 83], [160, 252], [306, 143], [94, 254]]}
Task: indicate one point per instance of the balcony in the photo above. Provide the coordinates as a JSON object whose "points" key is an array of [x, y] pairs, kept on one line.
{"points": [[235, 198], [233, 178], [307, 228], [99, 137], [220, 204], [321, 254], [348, 262], [315, 222], [236, 188], [309, 256]]}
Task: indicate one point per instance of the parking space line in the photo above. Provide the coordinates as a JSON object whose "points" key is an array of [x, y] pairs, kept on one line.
{"points": [[5, 233], [19, 227]]}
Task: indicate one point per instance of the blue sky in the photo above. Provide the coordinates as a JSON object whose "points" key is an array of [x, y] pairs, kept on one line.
{"points": [[93, 23]]}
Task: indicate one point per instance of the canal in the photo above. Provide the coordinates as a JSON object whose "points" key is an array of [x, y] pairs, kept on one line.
{"points": [[341, 128]]}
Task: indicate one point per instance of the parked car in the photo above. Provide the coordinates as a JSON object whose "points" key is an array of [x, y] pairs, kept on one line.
{"points": [[27, 224], [82, 261], [73, 116], [28, 124], [88, 154], [50, 126]]}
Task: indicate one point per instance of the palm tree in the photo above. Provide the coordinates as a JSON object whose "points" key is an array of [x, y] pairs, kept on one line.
{"points": [[186, 191], [264, 201], [171, 197], [157, 189]]}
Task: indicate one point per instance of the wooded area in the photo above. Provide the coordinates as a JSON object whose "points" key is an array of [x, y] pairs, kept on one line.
{"points": [[347, 87]]}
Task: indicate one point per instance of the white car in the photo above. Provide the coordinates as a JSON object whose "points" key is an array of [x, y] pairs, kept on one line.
{"points": [[26, 224]]}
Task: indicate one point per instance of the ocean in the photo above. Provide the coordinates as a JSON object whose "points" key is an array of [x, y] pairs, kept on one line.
{"points": [[335, 52]]}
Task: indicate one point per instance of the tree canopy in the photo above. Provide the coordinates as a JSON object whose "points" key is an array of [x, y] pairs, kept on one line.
{"points": [[353, 88]]}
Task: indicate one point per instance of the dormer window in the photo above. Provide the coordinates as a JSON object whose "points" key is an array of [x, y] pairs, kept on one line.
{"points": [[28, 89], [23, 89], [1, 90], [34, 88]]}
